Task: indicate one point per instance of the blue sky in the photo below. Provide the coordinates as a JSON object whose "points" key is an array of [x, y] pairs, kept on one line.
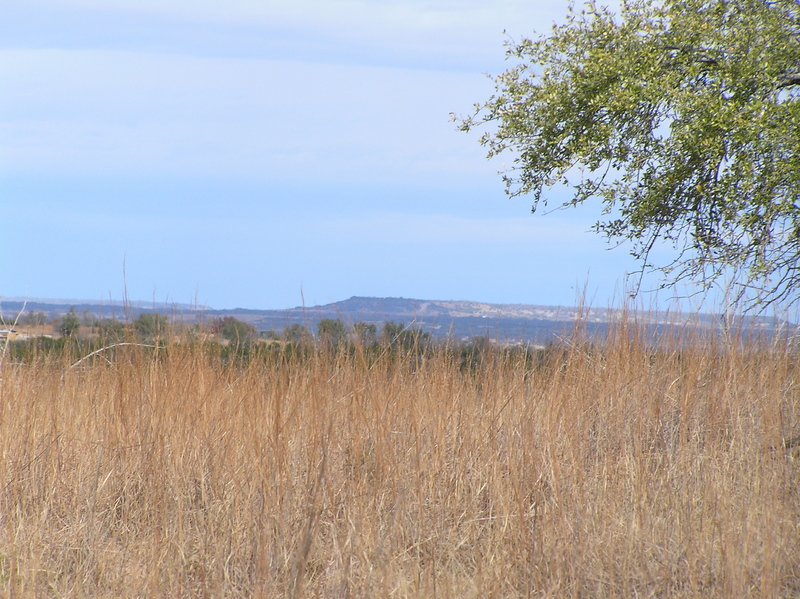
{"points": [[245, 154]]}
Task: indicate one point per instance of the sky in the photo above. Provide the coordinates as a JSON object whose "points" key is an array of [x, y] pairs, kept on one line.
{"points": [[265, 154]]}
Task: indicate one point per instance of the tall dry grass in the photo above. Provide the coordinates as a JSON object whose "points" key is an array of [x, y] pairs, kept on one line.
{"points": [[597, 471]]}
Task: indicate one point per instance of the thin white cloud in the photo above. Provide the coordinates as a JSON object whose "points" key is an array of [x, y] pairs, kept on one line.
{"points": [[464, 35], [110, 111], [352, 14]]}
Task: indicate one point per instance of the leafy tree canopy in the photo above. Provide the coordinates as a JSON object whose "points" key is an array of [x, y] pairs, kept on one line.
{"points": [[234, 330], [392, 331], [295, 333], [365, 332], [398, 335], [681, 117], [110, 328], [331, 331], [150, 325], [34, 318], [70, 325]]}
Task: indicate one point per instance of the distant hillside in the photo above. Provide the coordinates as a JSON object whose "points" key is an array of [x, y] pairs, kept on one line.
{"points": [[504, 322], [9, 307], [457, 319]]}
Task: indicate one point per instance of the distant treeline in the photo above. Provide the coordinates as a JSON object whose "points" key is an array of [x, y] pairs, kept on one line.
{"points": [[231, 339]]}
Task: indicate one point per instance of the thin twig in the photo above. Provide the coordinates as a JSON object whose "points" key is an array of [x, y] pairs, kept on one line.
{"points": [[102, 349]]}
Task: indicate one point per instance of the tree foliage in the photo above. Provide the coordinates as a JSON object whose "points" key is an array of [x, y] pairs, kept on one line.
{"points": [[332, 332], [681, 118], [399, 336], [392, 332], [150, 325], [295, 333], [70, 325], [110, 329], [234, 330], [34, 318], [366, 333]]}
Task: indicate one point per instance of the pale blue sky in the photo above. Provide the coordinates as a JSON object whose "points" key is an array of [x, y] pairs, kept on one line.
{"points": [[237, 153]]}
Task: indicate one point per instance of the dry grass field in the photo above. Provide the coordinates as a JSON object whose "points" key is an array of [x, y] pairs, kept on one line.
{"points": [[607, 470]]}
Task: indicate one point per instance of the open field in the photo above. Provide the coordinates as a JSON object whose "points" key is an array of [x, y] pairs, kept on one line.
{"points": [[582, 471]]}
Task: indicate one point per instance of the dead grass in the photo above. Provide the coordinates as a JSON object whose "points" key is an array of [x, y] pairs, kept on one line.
{"points": [[611, 471]]}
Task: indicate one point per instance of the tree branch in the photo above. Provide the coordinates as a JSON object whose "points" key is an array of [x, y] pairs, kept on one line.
{"points": [[789, 80]]}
